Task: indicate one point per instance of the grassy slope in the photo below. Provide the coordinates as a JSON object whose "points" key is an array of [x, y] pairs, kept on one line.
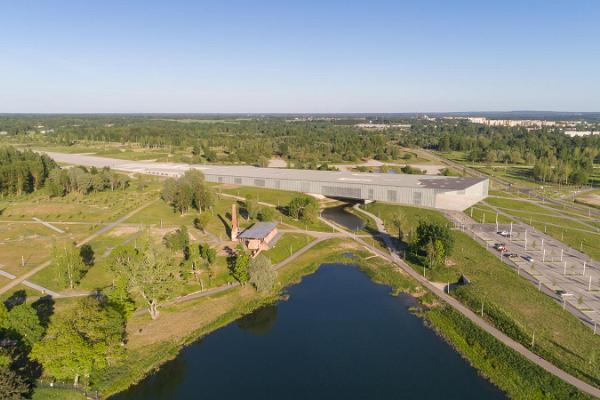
{"points": [[513, 304]]}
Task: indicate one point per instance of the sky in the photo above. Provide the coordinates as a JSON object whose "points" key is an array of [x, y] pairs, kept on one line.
{"points": [[298, 56]]}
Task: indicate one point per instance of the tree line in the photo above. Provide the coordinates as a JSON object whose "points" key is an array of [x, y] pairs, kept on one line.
{"points": [[188, 191], [23, 171], [83, 180]]}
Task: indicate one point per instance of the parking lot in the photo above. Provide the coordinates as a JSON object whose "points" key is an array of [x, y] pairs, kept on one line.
{"points": [[563, 273]]}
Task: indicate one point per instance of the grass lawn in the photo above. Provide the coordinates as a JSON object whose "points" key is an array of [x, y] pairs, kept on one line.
{"points": [[484, 214], [288, 244], [95, 207], [54, 393]]}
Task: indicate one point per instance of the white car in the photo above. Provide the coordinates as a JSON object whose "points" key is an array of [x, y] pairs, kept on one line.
{"points": [[504, 233]]}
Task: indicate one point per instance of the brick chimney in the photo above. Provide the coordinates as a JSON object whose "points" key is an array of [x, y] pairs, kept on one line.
{"points": [[234, 224]]}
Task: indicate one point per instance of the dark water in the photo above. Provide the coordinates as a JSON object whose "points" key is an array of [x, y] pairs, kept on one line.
{"points": [[339, 336], [340, 216]]}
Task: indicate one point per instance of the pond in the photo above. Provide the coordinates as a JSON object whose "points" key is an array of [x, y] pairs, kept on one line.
{"points": [[341, 216], [339, 336]]}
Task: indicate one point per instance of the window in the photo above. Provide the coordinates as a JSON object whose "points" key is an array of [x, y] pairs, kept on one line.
{"points": [[370, 196], [237, 181], [417, 198], [259, 182], [391, 195]]}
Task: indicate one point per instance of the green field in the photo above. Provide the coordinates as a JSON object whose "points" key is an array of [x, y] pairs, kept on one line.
{"points": [[484, 214]]}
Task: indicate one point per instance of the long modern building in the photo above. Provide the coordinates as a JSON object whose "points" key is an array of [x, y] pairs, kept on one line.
{"points": [[450, 193]]}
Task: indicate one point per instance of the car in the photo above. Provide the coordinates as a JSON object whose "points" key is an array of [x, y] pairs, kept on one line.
{"points": [[504, 233], [500, 246], [528, 258]]}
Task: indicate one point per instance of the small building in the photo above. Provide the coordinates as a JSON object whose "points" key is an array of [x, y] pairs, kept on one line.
{"points": [[259, 236]]}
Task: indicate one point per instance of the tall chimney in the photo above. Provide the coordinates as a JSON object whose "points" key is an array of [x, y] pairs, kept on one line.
{"points": [[234, 224]]}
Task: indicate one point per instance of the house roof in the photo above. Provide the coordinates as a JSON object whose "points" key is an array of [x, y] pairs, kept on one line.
{"points": [[259, 230]]}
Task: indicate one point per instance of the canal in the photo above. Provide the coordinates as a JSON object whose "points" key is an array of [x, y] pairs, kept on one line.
{"points": [[341, 216], [338, 336]]}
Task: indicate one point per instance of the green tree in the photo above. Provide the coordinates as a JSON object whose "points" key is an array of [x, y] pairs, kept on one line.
{"points": [[439, 252], [85, 338], [3, 316], [267, 214], [23, 321], [261, 273], [238, 265], [179, 240], [304, 208], [202, 221], [183, 197], [86, 252], [208, 253], [12, 385], [430, 232], [398, 222], [445, 143], [251, 205], [149, 271], [119, 298], [69, 265]]}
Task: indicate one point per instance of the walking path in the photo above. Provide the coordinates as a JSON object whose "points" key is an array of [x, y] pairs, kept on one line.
{"points": [[222, 288], [40, 267], [481, 323], [48, 225]]}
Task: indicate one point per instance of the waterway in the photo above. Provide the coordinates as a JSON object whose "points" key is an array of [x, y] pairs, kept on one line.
{"points": [[338, 336], [341, 216]]}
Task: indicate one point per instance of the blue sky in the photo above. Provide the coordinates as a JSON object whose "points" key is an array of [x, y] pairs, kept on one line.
{"points": [[301, 56]]}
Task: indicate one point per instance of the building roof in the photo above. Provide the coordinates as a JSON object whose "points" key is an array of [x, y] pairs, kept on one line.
{"points": [[259, 230], [247, 171]]}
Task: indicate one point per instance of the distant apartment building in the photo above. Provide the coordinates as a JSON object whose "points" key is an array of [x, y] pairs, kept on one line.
{"points": [[375, 126], [581, 133], [527, 123]]}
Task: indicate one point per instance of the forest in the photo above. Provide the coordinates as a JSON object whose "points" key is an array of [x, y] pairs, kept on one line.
{"points": [[313, 144], [23, 171]]}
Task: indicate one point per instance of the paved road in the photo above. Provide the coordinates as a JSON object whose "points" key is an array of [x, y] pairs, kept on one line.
{"points": [[481, 323]]}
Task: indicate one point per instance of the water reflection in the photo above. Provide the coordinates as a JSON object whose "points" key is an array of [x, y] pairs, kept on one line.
{"points": [[340, 215], [260, 322], [340, 336]]}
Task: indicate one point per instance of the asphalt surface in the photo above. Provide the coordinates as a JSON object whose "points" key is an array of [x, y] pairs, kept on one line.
{"points": [[556, 269]]}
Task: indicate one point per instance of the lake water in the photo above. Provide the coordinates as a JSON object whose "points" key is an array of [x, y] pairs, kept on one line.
{"points": [[339, 336], [339, 215]]}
